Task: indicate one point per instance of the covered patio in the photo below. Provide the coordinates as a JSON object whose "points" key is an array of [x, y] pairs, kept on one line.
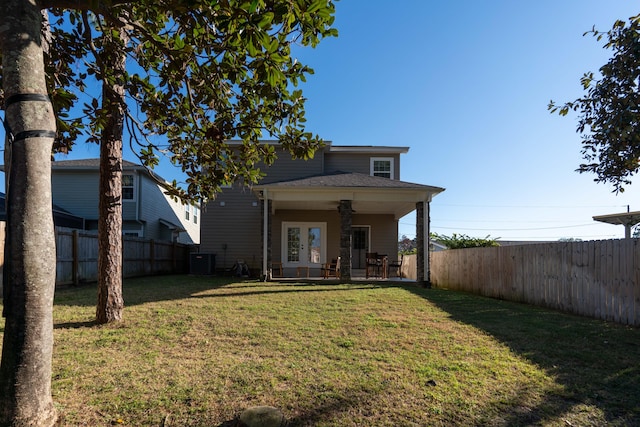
{"points": [[308, 222]]}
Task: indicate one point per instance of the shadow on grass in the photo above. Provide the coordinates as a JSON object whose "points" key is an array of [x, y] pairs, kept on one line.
{"points": [[291, 289], [597, 363], [145, 289], [168, 288], [314, 416], [326, 411], [75, 325]]}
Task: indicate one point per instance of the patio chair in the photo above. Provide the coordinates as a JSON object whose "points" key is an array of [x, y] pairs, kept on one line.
{"points": [[397, 266], [373, 265], [331, 269]]}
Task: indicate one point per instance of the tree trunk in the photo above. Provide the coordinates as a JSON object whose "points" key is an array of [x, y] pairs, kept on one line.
{"points": [[30, 253], [110, 302]]}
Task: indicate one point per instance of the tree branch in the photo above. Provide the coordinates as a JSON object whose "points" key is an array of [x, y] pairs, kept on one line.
{"points": [[92, 5]]}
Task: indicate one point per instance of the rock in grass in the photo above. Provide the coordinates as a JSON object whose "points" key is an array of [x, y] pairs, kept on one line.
{"points": [[262, 416]]}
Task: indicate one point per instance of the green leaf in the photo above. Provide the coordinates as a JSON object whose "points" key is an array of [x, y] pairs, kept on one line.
{"points": [[266, 20], [178, 42], [316, 5]]}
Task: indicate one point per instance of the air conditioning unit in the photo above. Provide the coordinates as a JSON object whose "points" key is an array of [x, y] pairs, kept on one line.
{"points": [[202, 263]]}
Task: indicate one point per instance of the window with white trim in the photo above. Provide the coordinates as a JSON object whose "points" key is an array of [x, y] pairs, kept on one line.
{"points": [[187, 211], [127, 187], [382, 166]]}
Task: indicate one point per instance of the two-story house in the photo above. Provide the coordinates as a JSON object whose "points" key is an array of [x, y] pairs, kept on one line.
{"points": [[345, 202], [146, 211]]}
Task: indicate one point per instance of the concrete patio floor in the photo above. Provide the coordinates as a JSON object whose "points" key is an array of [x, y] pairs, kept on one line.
{"points": [[357, 275]]}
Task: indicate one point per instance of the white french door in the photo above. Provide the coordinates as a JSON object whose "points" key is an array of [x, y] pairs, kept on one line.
{"points": [[303, 244]]}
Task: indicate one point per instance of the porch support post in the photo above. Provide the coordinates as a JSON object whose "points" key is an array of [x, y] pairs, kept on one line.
{"points": [[422, 240], [345, 239], [266, 235]]}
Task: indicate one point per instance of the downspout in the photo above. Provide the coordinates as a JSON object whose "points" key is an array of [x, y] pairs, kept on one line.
{"points": [[265, 225], [138, 178], [426, 228], [139, 201]]}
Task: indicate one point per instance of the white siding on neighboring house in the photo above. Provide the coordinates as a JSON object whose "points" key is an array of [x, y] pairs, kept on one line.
{"points": [[157, 206], [192, 223]]}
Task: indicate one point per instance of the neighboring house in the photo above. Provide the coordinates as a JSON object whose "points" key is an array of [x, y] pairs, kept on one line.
{"points": [[146, 211], [344, 202], [437, 246], [61, 217]]}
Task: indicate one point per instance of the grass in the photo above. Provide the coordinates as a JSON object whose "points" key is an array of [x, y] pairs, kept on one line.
{"points": [[196, 351]]}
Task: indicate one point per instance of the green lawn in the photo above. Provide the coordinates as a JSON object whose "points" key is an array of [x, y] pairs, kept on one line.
{"points": [[196, 351]]}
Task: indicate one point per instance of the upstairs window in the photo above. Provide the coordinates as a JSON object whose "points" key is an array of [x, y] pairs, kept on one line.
{"points": [[190, 212], [127, 187], [382, 166]]}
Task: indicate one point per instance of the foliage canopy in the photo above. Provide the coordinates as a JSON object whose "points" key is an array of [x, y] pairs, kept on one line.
{"points": [[461, 241], [199, 74], [609, 112]]}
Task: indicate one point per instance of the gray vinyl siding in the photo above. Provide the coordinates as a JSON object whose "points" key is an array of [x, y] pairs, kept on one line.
{"points": [[233, 231], [285, 167], [76, 192], [130, 210], [384, 233], [358, 162], [238, 226], [148, 210]]}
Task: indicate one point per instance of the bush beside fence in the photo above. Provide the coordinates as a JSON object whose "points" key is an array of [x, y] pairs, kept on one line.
{"points": [[599, 279]]}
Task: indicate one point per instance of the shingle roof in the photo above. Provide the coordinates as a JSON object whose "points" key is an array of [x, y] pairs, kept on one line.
{"points": [[349, 180], [55, 208], [94, 164], [89, 163]]}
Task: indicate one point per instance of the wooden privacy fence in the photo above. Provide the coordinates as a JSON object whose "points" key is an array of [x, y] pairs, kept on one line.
{"points": [[599, 279], [77, 256], [409, 268]]}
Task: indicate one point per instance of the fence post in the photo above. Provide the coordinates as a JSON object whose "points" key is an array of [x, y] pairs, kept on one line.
{"points": [[75, 254], [152, 255], [174, 262]]}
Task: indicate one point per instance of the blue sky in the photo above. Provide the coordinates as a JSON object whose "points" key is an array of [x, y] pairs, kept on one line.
{"points": [[465, 85]]}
